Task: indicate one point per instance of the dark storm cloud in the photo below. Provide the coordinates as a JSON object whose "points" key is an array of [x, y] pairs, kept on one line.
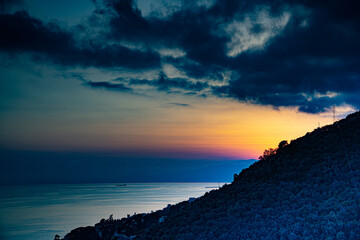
{"points": [[289, 53], [108, 86], [315, 55], [98, 85], [319, 58], [6, 5], [164, 83], [196, 70], [22, 33], [188, 29], [179, 104]]}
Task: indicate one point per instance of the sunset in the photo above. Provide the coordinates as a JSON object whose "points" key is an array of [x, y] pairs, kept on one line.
{"points": [[185, 95]]}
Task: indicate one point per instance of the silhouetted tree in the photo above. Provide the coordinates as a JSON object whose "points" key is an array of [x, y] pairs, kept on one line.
{"points": [[282, 144], [267, 153]]}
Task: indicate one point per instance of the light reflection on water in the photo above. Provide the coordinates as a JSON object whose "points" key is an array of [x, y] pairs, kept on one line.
{"points": [[41, 211]]}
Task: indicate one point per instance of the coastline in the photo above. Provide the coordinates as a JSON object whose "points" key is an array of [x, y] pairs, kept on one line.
{"points": [[42, 211]]}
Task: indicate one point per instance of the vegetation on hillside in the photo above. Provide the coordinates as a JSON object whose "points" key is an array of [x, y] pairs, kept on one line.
{"points": [[307, 189]]}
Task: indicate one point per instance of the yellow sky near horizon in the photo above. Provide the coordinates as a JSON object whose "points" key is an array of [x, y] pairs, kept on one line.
{"points": [[211, 127]]}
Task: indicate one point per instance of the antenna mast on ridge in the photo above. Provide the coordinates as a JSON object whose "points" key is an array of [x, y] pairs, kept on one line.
{"points": [[334, 118]]}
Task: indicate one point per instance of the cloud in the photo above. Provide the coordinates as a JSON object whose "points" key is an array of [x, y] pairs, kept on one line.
{"points": [[164, 83], [254, 31], [23, 34], [299, 51], [282, 53], [98, 84], [108, 86], [315, 60], [179, 104], [6, 5]]}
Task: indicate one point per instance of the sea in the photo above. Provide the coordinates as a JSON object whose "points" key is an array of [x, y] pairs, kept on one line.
{"points": [[39, 212]]}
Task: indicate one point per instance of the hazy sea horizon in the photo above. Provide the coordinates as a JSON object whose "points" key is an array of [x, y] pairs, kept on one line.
{"points": [[30, 212]]}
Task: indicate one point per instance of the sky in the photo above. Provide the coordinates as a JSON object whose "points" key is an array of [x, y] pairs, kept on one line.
{"points": [[154, 86]]}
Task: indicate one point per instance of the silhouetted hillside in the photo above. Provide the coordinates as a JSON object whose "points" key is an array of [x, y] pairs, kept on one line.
{"points": [[309, 189]]}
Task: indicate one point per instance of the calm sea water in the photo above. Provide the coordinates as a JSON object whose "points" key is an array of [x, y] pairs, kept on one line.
{"points": [[41, 211]]}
